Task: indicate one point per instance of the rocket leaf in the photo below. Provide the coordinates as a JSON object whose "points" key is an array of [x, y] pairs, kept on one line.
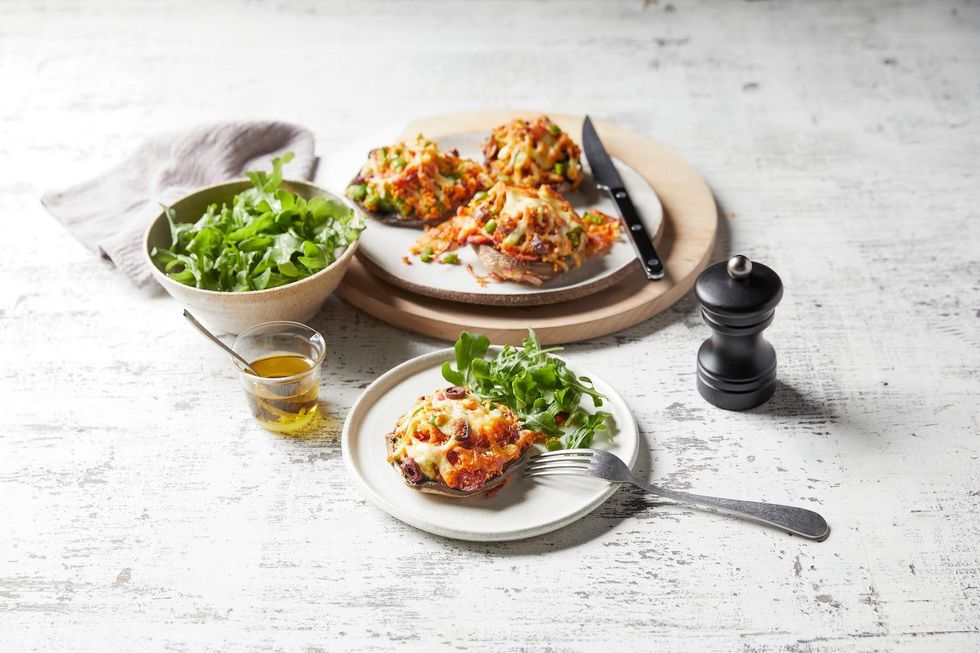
{"points": [[266, 237], [539, 388]]}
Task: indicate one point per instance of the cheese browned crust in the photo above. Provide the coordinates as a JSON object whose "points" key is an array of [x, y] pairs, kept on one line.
{"points": [[452, 442]]}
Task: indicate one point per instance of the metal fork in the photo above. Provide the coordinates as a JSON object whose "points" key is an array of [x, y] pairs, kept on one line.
{"points": [[605, 465]]}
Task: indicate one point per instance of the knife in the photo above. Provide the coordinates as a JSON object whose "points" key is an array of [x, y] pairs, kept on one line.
{"points": [[607, 178]]}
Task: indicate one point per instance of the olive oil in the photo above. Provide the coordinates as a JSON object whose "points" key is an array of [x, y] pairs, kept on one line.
{"points": [[277, 367], [287, 405]]}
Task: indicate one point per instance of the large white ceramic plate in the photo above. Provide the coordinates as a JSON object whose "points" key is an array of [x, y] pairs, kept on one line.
{"points": [[523, 508], [382, 247]]}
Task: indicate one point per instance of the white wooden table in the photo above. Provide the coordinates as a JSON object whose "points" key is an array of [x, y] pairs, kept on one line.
{"points": [[141, 509]]}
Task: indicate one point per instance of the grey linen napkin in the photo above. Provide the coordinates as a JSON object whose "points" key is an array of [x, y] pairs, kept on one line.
{"points": [[110, 213]]}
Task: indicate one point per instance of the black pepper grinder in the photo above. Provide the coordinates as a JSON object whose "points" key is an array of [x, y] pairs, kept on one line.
{"points": [[736, 365]]}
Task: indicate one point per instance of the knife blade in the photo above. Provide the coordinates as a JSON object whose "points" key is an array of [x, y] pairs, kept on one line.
{"points": [[607, 179]]}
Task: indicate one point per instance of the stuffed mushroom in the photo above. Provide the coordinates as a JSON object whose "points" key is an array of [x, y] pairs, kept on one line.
{"points": [[532, 153], [415, 183], [455, 444], [522, 234]]}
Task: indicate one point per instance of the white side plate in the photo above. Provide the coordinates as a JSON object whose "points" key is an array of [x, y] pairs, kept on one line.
{"points": [[523, 508]]}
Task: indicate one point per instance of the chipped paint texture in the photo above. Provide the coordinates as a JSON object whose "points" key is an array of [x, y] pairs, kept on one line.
{"points": [[141, 509]]}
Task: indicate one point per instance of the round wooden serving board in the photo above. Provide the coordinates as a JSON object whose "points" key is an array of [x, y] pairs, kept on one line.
{"points": [[685, 245]]}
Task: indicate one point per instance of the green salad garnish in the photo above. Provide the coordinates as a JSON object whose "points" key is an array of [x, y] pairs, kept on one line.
{"points": [[267, 237], [539, 388]]}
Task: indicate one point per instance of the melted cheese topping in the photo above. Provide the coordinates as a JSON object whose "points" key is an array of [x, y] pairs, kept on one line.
{"points": [[458, 439], [527, 224], [518, 202], [416, 180], [532, 153]]}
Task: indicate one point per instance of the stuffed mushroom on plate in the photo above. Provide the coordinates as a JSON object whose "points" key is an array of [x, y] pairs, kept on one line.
{"points": [[415, 183], [522, 234], [532, 153], [453, 443]]}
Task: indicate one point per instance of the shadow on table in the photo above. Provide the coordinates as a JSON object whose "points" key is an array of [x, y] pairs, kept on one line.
{"points": [[323, 430], [787, 401]]}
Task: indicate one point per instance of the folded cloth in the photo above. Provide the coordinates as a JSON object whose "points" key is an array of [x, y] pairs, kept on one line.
{"points": [[111, 212]]}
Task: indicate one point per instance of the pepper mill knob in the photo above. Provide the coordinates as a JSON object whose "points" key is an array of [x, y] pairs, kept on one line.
{"points": [[739, 267], [736, 365]]}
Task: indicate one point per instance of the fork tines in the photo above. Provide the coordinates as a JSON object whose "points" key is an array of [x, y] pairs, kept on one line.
{"points": [[567, 462]]}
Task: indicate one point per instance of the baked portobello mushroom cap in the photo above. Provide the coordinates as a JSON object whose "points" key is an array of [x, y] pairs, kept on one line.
{"points": [[509, 268], [521, 234], [533, 153], [415, 184], [455, 444], [414, 478]]}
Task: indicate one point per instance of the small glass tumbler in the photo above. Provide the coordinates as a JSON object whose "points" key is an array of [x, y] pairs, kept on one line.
{"points": [[287, 356]]}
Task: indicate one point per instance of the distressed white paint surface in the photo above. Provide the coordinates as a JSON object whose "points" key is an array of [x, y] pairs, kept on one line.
{"points": [[140, 509]]}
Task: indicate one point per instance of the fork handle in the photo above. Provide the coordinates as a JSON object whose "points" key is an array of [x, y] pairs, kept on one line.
{"points": [[800, 521]]}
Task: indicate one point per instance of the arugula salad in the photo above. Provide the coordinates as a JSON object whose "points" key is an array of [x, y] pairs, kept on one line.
{"points": [[266, 237], [539, 388]]}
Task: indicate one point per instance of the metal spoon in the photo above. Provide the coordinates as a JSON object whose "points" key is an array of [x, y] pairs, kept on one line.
{"points": [[214, 338]]}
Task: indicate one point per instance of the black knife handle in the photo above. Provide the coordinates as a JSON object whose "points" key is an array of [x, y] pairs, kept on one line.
{"points": [[653, 267]]}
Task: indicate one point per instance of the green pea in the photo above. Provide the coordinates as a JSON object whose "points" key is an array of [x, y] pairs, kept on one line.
{"points": [[491, 227], [357, 192], [559, 169], [452, 258], [554, 129]]}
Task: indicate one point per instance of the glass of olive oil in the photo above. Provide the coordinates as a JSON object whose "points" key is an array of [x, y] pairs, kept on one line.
{"points": [[287, 357]]}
